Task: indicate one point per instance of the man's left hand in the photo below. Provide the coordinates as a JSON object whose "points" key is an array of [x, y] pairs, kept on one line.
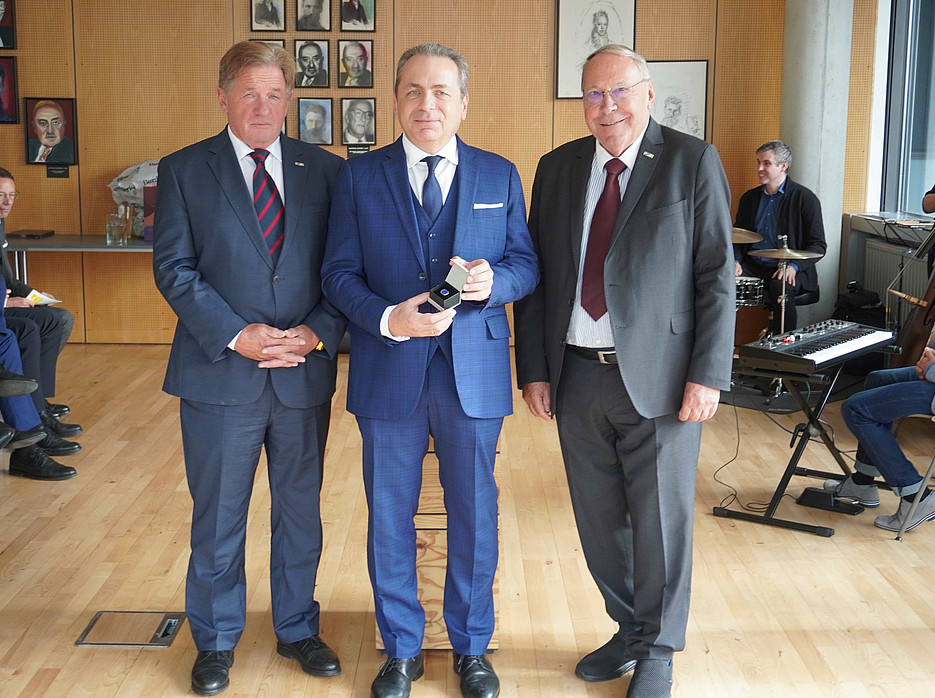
{"points": [[699, 402], [287, 355], [790, 275], [479, 281], [928, 356]]}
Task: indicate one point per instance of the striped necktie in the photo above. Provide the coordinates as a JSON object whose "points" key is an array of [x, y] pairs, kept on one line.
{"points": [[268, 204]]}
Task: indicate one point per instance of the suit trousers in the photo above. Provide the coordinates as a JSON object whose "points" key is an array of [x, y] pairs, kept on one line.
{"points": [[632, 484], [40, 355], [17, 411], [222, 448], [392, 462]]}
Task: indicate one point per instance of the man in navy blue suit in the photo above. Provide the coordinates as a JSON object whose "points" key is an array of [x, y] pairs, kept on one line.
{"points": [[399, 215], [240, 227]]}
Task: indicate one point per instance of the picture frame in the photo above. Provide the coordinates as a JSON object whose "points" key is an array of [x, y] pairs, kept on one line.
{"points": [[313, 58], [9, 91], [583, 26], [357, 128], [51, 123], [315, 119], [681, 95], [355, 63], [8, 24], [312, 15], [267, 15], [358, 15]]}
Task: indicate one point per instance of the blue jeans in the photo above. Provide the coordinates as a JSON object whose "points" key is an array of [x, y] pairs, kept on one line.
{"points": [[869, 414]]}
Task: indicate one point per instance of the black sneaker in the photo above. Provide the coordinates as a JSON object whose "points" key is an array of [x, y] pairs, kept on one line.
{"points": [[35, 463]]}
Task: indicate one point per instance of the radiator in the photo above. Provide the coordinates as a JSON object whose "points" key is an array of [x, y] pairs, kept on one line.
{"points": [[882, 263]]}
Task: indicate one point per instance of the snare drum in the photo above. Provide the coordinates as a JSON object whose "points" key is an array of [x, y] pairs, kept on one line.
{"points": [[749, 290]]}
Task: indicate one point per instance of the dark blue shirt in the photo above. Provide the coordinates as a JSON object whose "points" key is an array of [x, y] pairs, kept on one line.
{"points": [[765, 224]]}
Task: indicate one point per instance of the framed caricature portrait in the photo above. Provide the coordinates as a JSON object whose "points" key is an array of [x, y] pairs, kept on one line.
{"points": [[9, 101], [311, 55], [583, 27], [51, 131], [7, 24], [312, 15], [358, 121], [357, 15], [355, 61], [315, 121], [681, 89], [267, 16]]}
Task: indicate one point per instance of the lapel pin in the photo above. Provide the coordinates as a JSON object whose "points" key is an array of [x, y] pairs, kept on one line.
{"points": [[300, 164], [648, 154]]}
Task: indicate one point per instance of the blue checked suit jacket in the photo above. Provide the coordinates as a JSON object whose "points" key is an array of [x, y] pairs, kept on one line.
{"points": [[374, 259]]}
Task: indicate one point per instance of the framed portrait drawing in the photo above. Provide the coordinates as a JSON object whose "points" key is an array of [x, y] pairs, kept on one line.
{"points": [[51, 131], [315, 121], [312, 15], [311, 55], [584, 26], [358, 121], [9, 101], [681, 89], [267, 16], [7, 24], [276, 42], [357, 15], [355, 63]]}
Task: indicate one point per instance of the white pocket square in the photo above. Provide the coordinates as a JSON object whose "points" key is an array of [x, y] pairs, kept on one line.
{"points": [[500, 205]]}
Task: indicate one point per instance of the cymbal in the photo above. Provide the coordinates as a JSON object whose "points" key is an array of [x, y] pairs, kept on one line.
{"points": [[742, 236], [785, 253]]}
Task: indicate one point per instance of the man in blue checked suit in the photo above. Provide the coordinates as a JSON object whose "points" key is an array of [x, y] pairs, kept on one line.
{"points": [[399, 215], [241, 220]]}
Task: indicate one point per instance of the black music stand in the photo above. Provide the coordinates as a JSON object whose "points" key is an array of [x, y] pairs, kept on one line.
{"points": [[803, 433]]}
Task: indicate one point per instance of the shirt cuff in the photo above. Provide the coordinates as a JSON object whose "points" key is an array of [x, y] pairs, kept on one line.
{"points": [[385, 325], [230, 344]]}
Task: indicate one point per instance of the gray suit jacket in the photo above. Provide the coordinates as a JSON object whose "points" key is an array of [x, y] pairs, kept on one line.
{"points": [[668, 277]]}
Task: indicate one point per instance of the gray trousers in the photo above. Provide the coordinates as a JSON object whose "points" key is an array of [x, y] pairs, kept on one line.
{"points": [[632, 483]]}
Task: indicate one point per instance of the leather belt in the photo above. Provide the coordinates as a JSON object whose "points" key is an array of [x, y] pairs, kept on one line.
{"points": [[604, 356]]}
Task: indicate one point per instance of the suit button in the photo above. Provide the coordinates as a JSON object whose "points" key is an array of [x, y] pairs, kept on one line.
{"points": [[571, 302], [431, 235], [276, 278], [434, 260], [421, 276]]}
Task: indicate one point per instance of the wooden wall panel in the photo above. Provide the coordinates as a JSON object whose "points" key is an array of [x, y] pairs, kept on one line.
{"points": [[60, 274], [747, 86], [860, 101], [121, 302]]}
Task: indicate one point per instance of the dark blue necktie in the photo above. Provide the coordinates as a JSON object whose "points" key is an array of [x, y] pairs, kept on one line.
{"points": [[431, 191], [268, 204]]}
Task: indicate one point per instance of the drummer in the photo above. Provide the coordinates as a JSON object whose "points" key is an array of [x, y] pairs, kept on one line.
{"points": [[778, 207]]}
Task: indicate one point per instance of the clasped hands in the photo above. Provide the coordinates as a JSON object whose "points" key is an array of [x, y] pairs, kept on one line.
{"points": [[405, 320], [275, 348], [928, 356]]}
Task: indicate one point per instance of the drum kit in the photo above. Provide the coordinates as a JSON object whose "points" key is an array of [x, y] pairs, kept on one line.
{"points": [[750, 288]]}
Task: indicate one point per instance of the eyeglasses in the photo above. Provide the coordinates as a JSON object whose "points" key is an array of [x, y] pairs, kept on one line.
{"points": [[4, 197], [594, 98], [360, 114]]}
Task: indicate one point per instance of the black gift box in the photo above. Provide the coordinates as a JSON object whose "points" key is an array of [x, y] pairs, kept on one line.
{"points": [[447, 294]]}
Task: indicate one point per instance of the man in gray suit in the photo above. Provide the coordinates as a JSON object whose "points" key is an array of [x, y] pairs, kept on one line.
{"points": [[627, 342], [239, 235]]}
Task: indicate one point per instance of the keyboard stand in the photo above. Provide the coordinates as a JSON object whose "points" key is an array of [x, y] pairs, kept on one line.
{"points": [[800, 438]]}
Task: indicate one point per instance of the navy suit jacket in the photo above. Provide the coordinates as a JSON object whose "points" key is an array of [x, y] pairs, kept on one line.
{"points": [[214, 268], [375, 259]]}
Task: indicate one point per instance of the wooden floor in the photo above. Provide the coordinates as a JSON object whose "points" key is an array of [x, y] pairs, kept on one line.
{"points": [[774, 612]]}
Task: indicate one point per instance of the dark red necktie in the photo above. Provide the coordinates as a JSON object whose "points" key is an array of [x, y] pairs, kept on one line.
{"points": [[268, 204], [602, 227]]}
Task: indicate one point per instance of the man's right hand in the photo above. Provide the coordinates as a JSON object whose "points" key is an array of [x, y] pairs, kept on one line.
{"points": [[738, 270], [256, 337], [538, 397], [405, 320]]}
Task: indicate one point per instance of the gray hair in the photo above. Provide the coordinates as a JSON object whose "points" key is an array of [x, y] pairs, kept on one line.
{"points": [[255, 54], [435, 50], [781, 151], [623, 52]]}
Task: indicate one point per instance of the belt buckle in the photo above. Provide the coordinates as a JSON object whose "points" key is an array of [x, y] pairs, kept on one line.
{"points": [[601, 357]]}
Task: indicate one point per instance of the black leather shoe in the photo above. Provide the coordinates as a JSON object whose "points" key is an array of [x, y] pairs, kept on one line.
{"points": [[611, 661], [652, 679], [56, 446], [210, 672], [396, 676], [6, 433], [59, 428], [33, 462], [56, 411], [478, 679], [13, 384], [21, 439], [313, 654]]}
